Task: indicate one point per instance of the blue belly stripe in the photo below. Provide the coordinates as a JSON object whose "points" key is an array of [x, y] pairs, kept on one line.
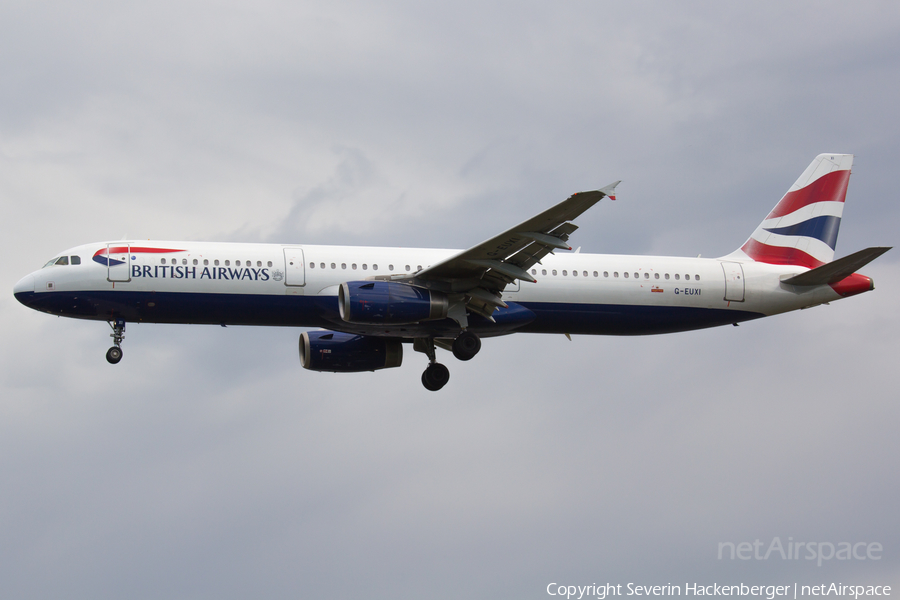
{"points": [[322, 311]]}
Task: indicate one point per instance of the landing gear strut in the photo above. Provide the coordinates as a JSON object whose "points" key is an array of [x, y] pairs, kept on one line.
{"points": [[436, 375], [114, 354]]}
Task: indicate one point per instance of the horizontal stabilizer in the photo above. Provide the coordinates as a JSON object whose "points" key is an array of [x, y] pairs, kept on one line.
{"points": [[837, 270]]}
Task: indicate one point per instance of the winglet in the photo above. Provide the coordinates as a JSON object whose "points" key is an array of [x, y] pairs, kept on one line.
{"points": [[610, 190]]}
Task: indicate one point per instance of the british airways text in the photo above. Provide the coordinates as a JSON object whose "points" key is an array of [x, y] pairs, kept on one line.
{"points": [[184, 272]]}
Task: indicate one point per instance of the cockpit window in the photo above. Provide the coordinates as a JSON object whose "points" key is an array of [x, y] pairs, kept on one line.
{"points": [[63, 260]]}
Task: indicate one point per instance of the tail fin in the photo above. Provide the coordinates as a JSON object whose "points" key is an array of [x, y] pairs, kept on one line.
{"points": [[802, 229]]}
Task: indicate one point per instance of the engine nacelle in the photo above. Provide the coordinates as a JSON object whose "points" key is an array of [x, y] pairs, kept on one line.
{"points": [[382, 302], [348, 353]]}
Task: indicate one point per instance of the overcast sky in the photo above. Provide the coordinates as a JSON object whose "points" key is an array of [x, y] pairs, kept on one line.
{"points": [[209, 464]]}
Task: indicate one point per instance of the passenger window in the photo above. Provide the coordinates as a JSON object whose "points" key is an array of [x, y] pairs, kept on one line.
{"points": [[390, 267], [196, 261], [270, 263], [636, 275], [227, 263], [205, 262], [365, 267], [615, 273], [259, 264], [606, 273], [585, 273], [76, 260], [667, 275], [407, 268], [543, 271], [216, 262], [374, 267], [696, 278], [646, 275], [626, 275], [353, 266], [677, 276], [162, 261], [418, 267], [312, 265], [554, 272], [333, 266], [534, 271], [656, 276], [565, 273]]}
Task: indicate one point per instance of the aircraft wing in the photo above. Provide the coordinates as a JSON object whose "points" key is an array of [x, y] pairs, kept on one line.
{"points": [[482, 271]]}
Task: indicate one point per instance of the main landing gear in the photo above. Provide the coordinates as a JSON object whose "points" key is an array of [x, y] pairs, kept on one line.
{"points": [[466, 345], [114, 354], [436, 376]]}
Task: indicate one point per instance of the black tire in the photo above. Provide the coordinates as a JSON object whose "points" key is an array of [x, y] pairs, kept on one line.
{"points": [[114, 355], [435, 377], [466, 345]]}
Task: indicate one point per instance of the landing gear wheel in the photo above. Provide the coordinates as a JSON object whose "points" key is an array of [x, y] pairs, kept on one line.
{"points": [[435, 377], [114, 355], [466, 345]]}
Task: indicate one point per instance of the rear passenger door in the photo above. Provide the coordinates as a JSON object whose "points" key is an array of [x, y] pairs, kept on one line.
{"points": [[734, 281]]}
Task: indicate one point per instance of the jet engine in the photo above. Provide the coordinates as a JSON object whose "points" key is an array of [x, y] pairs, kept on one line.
{"points": [[348, 353], [380, 302]]}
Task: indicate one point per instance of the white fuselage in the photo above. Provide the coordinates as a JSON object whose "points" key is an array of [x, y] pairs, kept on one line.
{"points": [[274, 284]]}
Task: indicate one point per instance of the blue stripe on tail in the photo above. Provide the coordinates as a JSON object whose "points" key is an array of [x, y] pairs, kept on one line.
{"points": [[823, 228]]}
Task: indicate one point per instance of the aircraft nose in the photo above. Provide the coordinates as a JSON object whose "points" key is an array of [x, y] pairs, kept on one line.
{"points": [[23, 288]]}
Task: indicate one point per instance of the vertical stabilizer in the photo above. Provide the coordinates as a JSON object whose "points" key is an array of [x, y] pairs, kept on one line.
{"points": [[803, 227]]}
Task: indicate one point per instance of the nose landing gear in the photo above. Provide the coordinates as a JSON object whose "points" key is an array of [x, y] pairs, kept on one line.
{"points": [[114, 354]]}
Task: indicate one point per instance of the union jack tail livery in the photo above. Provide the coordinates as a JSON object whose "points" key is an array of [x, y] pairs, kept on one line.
{"points": [[802, 229]]}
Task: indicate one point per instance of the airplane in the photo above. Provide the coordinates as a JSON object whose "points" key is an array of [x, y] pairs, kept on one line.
{"points": [[368, 302]]}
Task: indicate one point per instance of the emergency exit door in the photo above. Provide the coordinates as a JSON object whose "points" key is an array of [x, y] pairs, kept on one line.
{"points": [[294, 271]]}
